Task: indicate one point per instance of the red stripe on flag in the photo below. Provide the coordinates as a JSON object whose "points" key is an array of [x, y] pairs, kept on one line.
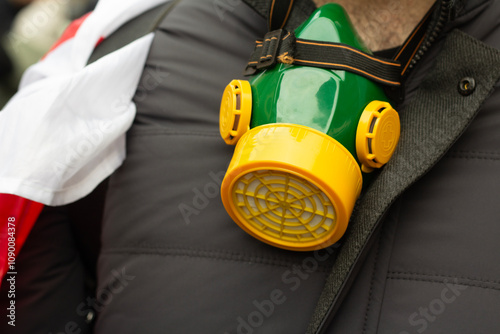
{"points": [[17, 217], [70, 32]]}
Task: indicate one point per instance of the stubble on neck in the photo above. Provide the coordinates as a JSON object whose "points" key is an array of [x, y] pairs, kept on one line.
{"points": [[383, 24]]}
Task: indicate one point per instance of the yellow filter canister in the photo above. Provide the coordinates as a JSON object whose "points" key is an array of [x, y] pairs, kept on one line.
{"points": [[291, 186]]}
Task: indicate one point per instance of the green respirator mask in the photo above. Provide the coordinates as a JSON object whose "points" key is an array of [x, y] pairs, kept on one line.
{"points": [[309, 132]]}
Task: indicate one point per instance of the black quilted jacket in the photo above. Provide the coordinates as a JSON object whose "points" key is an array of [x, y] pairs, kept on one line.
{"points": [[431, 220]]}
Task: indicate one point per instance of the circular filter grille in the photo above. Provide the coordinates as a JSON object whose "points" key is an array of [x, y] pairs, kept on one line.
{"points": [[280, 205]]}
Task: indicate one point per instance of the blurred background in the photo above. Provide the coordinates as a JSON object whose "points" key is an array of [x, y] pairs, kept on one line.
{"points": [[28, 28]]}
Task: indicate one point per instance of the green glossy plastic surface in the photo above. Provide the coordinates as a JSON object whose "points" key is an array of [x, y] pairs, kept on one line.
{"points": [[330, 101]]}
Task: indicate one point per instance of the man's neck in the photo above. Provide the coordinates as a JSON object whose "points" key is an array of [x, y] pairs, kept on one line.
{"points": [[383, 24]]}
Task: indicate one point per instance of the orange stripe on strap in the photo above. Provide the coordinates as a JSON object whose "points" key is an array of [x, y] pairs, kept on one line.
{"points": [[349, 67]]}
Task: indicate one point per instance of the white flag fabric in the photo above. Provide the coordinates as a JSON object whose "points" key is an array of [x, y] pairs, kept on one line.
{"points": [[64, 131]]}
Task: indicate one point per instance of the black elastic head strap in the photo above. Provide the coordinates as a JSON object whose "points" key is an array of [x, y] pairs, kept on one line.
{"points": [[280, 46], [406, 53], [279, 11], [412, 49]]}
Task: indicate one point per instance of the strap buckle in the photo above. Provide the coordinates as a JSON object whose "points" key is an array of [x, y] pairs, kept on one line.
{"points": [[270, 47]]}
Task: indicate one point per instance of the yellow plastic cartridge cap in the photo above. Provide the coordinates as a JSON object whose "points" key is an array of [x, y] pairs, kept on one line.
{"points": [[377, 135], [291, 186], [235, 111]]}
